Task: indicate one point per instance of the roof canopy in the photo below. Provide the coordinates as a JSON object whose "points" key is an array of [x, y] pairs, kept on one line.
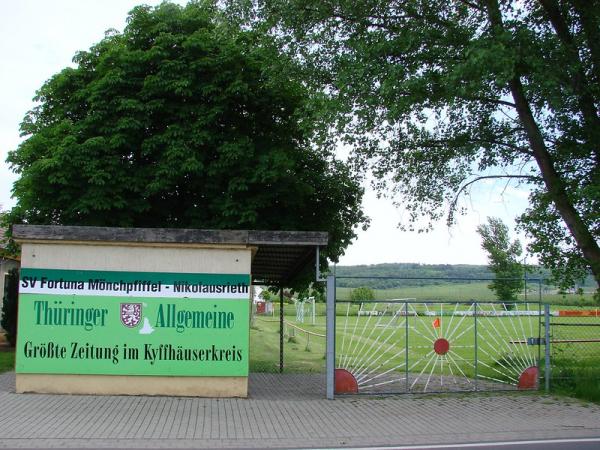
{"points": [[280, 255]]}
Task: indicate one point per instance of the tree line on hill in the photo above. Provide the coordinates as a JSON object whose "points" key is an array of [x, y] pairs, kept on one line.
{"points": [[408, 274], [413, 274]]}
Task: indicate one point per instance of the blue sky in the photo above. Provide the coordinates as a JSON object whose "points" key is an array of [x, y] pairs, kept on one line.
{"points": [[38, 38]]}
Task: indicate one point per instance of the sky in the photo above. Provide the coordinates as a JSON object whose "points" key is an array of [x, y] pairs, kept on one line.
{"points": [[38, 38]]}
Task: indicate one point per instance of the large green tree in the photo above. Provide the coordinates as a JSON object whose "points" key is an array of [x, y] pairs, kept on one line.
{"points": [[181, 120], [503, 258], [436, 95]]}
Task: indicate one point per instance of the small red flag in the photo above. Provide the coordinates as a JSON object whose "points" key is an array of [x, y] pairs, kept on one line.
{"points": [[436, 323]]}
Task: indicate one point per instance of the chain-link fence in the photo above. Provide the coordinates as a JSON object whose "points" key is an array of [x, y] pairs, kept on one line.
{"points": [[301, 348], [575, 350]]}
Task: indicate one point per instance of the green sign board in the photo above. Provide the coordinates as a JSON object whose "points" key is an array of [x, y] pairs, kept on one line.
{"points": [[133, 323]]}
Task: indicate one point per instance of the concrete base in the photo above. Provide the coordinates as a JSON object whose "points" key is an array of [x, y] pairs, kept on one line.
{"points": [[132, 385]]}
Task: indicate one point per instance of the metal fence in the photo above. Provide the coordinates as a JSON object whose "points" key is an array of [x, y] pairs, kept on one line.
{"points": [[425, 336], [574, 335], [403, 346], [417, 342], [292, 342]]}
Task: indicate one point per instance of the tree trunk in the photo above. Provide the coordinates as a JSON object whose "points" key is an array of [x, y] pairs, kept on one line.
{"points": [[554, 184], [552, 180]]}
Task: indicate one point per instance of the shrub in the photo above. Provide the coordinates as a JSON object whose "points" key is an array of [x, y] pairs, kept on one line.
{"points": [[362, 294], [10, 305]]}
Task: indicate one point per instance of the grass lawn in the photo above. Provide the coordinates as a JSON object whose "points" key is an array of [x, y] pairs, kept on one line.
{"points": [[303, 353], [576, 365], [576, 378], [7, 361]]}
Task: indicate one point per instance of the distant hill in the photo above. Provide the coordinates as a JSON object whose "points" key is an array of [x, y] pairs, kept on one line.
{"points": [[408, 274], [413, 274]]}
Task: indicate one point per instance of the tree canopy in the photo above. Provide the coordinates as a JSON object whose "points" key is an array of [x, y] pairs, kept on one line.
{"points": [[181, 120], [436, 95]]}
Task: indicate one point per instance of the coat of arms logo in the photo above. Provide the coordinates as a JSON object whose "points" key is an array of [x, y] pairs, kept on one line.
{"points": [[131, 314]]}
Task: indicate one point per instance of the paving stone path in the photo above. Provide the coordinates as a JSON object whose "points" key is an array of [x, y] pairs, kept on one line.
{"points": [[284, 411]]}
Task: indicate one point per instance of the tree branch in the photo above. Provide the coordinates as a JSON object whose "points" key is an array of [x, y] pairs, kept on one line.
{"points": [[588, 14], [471, 5], [436, 143], [577, 79], [522, 150], [385, 19], [465, 186], [492, 101]]}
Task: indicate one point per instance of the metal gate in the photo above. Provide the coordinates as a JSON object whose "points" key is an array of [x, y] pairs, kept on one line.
{"points": [[408, 346]]}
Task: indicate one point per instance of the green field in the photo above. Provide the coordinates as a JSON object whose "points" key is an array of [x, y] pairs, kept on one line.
{"points": [[467, 291]]}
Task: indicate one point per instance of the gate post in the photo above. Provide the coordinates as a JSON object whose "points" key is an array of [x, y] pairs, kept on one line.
{"points": [[406, 388], [281, 329], [330, 339], [476, 362], [547, 346]]}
